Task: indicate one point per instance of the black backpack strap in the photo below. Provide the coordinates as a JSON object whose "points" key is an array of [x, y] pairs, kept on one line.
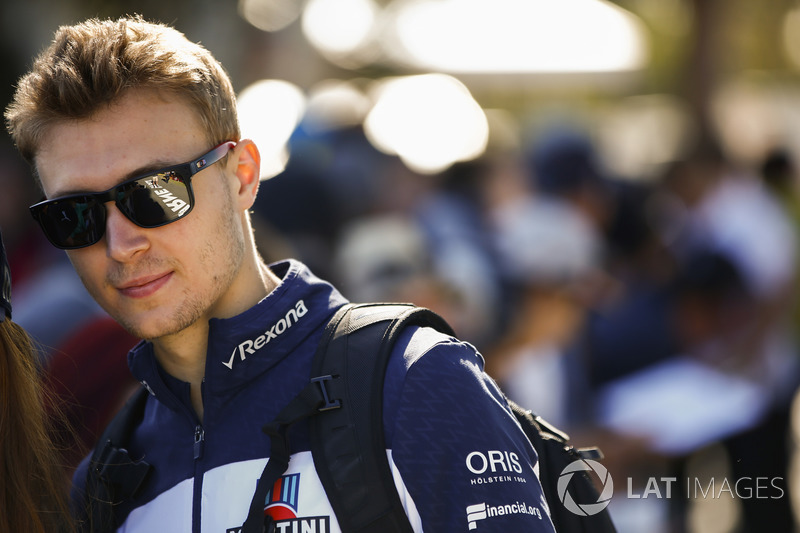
{"points": [[312, 400], [113, 476], [348, 444]]}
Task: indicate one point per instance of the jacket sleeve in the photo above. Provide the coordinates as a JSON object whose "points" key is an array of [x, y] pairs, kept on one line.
{"points": [[461, 454]]}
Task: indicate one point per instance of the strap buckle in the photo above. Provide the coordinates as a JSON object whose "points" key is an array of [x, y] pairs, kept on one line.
{"points": [[329, 403]]}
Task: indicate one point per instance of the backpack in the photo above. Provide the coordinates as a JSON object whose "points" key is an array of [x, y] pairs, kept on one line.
{"points": [[343, 405]]}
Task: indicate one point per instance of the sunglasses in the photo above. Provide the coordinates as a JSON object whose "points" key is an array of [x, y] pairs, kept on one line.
{"points": [[149, 201]]}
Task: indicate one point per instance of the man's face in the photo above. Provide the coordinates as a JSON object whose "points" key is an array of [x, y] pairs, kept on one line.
{"points": [[153, 281]]}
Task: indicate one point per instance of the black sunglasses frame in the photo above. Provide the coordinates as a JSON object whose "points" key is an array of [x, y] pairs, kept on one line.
{"points": [[183, 172]]}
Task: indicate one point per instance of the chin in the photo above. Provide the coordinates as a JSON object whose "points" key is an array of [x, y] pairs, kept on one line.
{"points": [[149, 328], [160, 320]]}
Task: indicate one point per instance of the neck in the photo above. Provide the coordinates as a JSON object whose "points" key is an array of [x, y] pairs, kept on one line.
{"points": [[183, 354]]}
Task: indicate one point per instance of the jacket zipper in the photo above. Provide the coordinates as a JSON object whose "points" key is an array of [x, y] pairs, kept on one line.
{"points": [[199, 439], [197, 493]]}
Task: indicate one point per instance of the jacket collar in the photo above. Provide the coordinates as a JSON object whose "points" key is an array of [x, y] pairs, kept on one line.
{"points": [[244, 347]]}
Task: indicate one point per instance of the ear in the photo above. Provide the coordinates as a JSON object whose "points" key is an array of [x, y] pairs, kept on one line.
{"points": [[248, 171]]}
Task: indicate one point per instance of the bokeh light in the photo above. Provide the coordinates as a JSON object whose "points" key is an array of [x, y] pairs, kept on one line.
{"points": [[269, 111], [270, 15], [430, 121], [340, 29], [475, 36], [791, 36]]}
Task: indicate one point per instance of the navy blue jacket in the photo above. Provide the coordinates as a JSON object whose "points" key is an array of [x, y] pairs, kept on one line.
{"points": [[460, 460]]}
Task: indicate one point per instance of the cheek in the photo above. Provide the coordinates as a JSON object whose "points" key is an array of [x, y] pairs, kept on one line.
{"points": [[86, 263], [91, 269], [216, 228]]}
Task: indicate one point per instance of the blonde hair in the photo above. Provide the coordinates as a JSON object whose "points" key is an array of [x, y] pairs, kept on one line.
{"points": [[33, 485], [92, 64]]}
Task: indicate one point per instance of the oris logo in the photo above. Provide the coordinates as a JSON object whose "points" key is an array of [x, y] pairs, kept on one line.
{"points": [[493, 461], [251, 346]]}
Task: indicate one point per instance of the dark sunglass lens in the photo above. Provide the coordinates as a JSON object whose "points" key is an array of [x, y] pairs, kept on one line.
{"points": [[154, 200], [73, 223]]}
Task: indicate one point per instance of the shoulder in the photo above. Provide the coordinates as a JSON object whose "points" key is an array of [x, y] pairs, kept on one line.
{"points": [[453, 438], [426, 346], [424, 358], [434, 375]]}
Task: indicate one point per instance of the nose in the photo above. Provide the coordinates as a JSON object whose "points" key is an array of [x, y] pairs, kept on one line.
{"points": [[124, 239]]}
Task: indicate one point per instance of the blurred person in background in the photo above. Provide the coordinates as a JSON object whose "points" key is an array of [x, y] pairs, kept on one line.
{"points": [[780, 175], [392, 258], [386, 233], [779, 172], [734, 213], [550, 256], [33, 488], [731, 351], [626, 326], [697, 267]]}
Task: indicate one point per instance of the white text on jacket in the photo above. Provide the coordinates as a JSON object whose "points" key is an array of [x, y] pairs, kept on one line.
{"points": [[251, 346]]}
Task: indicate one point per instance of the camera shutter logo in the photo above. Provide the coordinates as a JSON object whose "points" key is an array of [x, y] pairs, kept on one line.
{"points": [[585, 508]]}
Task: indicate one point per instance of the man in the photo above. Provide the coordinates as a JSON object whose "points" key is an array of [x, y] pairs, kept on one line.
{"points": [[133, 134]]}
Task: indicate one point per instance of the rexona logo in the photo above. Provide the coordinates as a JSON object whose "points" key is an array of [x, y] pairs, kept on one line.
{"points": [[251, 346], [481, 511], [585, 508]]}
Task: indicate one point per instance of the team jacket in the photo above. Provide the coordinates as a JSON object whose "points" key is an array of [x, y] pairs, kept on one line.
{"points": [[460, 461]]}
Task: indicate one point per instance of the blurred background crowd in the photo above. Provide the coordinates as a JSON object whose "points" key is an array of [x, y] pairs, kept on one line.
{"points": [[601, 196]]}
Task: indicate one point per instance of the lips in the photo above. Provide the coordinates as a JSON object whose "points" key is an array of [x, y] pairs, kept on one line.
{"points": [[144, 286]]}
